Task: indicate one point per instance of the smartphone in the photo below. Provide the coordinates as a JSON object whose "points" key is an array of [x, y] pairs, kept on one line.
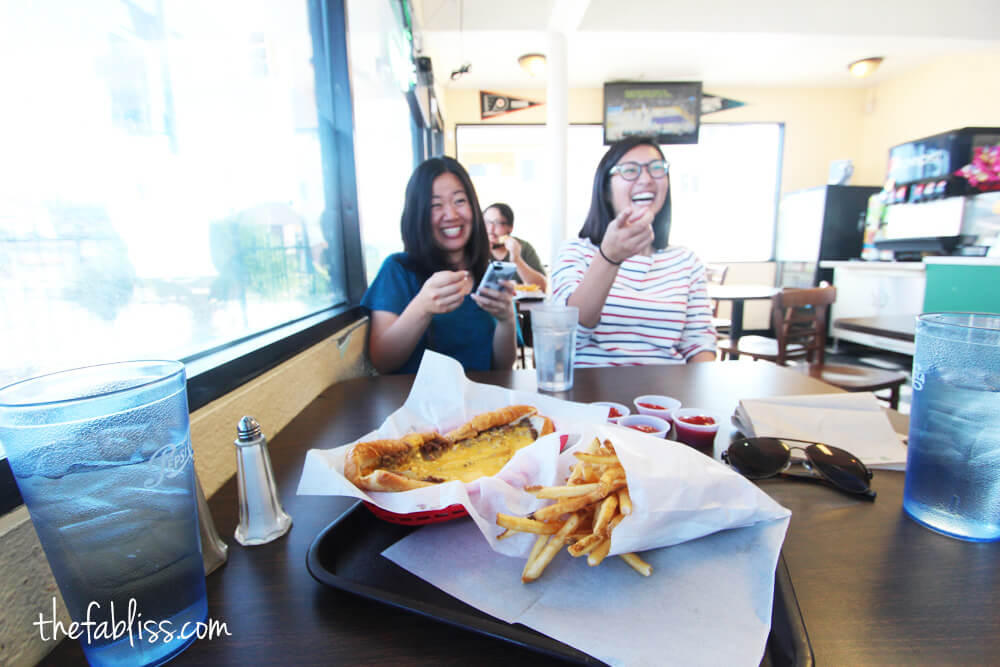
{"points": [[496, 272]]}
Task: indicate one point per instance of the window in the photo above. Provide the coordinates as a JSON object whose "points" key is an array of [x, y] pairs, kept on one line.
{"points": [[508, 164], [389, 130], [163, 181], [724, 189], [175, 182]]}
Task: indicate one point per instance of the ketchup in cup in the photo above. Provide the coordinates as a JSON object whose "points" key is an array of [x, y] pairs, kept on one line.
{"points": [[656, 405], [696, 427], [646, 424], [615, 410]]}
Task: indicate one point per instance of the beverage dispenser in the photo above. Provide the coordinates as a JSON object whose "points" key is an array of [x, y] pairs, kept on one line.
{"points": [[929, 198]]}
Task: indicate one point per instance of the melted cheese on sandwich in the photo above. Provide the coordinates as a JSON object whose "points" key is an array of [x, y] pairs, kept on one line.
{"points": [[467, 460]]}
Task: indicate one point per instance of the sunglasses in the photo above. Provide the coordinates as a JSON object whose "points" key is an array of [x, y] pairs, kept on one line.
{"points": [[760, 458]]}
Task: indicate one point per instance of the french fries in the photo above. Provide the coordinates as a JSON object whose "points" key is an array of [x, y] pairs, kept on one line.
{"points": [[521, 524], [586, 510]]}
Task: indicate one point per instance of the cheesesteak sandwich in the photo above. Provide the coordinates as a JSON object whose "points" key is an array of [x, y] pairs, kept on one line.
{"points": [[479, 448]]}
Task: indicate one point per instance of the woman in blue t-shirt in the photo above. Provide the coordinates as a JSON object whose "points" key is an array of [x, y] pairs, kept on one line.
{"points": [[422, 298]]}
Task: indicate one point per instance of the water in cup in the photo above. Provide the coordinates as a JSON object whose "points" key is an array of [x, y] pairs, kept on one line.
{"points": [[553, 330], [108, 480], [553, 349], [953, 462]]}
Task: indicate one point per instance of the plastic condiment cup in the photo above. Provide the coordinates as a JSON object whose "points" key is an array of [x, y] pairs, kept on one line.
{"points": [[623, 410], [690, 432], [657, 405], [648, 424]]}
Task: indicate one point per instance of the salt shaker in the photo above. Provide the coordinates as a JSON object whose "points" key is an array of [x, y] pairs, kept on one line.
{"points": [[213, 550], [262, 519]]}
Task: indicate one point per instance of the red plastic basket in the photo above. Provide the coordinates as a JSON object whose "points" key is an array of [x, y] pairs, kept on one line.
{"points": [[419, 518]]}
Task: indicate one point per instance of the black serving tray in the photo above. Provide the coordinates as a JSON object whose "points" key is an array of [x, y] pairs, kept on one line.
{"points": [[345, 555]]}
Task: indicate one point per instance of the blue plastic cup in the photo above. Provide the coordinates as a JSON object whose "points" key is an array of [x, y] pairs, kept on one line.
{"points": [[102, 456], [953, 458]]}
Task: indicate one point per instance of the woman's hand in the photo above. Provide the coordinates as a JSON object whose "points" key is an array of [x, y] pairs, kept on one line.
{"points": [[498, 303], [444, 291], [630, 233]]}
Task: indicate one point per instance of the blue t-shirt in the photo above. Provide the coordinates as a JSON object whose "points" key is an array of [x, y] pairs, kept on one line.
{"points": [[465, 334]]}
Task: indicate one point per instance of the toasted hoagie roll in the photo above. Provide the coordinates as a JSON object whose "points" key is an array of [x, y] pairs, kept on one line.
{"points": [[479, 448]]}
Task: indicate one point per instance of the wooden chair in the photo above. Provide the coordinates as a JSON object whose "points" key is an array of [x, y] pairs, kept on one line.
{"points": [[799, 319], [715, 274]]}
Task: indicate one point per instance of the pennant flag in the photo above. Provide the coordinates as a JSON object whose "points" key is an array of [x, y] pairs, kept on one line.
{"points": [[712, 103], [492, 105]]}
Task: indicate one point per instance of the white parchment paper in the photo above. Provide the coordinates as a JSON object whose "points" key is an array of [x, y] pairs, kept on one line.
{"points": [[712, 536], [707, 602], [441, 399]]}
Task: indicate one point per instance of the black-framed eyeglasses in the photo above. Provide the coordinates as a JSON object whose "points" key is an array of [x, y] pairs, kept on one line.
{"points": [[631, 170], [760, 458]]}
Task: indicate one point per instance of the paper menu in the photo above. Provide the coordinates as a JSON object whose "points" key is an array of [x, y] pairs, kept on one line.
{"points": [[855, 422]]}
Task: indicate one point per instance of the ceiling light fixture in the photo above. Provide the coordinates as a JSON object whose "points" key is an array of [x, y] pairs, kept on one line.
{"points": [[532, 63], [865, 66]]}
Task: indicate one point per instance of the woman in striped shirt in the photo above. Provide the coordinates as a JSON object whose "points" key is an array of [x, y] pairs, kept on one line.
{"points": [[640, 301]]}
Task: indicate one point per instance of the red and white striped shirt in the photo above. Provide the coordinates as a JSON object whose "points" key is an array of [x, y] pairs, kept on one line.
{"points": [[657, 312]]}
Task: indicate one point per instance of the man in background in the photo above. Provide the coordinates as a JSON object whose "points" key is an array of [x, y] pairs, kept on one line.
{"points": [[499, 220]]}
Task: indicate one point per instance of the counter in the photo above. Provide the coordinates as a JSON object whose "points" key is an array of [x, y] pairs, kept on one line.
{"points": [[962, 283], [916, 267], [963, 261], [869, 289]]}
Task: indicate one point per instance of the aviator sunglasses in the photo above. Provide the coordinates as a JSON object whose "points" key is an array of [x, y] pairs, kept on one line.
{"points": [[760, 458]]}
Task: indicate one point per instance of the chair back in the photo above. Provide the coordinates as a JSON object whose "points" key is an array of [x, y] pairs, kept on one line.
{"points": [[715, 274], [799, 318]]}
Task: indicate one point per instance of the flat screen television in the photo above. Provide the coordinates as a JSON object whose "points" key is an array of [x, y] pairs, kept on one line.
{"points": [[668, 111]]}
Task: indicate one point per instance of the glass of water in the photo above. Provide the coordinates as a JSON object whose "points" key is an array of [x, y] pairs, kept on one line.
{"points": [[953, 460], [553, 333], [102, 456]]}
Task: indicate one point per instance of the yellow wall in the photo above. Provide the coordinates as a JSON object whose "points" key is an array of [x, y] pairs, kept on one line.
{"points": [[953, 92], [821, 124]]}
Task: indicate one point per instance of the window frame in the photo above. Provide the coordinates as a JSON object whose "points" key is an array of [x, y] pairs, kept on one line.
{"points": [[218, 371]]}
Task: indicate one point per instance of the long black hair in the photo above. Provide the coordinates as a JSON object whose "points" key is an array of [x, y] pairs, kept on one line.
{"points": [[601, 212], [423, 255]]}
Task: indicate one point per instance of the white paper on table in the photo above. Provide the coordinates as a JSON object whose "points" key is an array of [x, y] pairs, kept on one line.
{"points": [[852, 421], [442, 398], [707, 602]]}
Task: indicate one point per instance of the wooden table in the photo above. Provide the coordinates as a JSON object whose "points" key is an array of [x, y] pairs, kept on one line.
{"points": [[899, 327], [738, 294], [874, 587]]}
